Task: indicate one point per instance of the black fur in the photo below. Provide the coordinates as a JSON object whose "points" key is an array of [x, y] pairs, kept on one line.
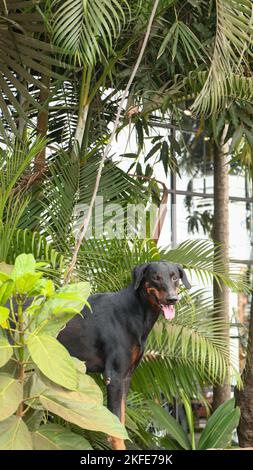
{"points": [[111, 339]]}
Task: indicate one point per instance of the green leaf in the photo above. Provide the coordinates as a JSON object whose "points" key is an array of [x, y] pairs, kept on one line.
{"points": [[53, 360], [56, 323], [167, 39], [219, 427], [87, 390], [4, 313], [56, 437], [165, 156], [34, 418], [23, 264], [5, 271], [84, 415], [72, 296], [14, 435], [165, 421], [154, 149], [44, 287], [5, 291], [85, 30], [61, 307], [175, 145], [11, 394], [26, 283], [5, 349]]}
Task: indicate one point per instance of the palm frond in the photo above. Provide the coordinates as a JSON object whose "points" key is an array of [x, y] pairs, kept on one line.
{"points": [[202, 257], [68, 192], [109, 262], [24, 59], [12, 210], [84, 29], [232, 44], [26, 241], [14, 162]]}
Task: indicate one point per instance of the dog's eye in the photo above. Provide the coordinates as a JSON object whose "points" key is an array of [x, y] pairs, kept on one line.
{"points": [[157, 277], [174, 277]]}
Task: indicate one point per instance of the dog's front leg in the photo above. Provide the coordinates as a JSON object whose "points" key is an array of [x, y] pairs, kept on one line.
{"points": [[116, 403]]}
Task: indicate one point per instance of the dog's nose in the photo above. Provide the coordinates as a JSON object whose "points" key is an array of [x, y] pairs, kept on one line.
{"points": [[171, 299]]}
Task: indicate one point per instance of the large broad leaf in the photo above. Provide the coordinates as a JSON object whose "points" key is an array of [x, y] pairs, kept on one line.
{"points": [[217, 433], [55, 437], [25, 284], [86, 415], [11, 394], [5, 349], [24, 264], [165, 421], [87, 390], [53, 360], [4, 313], [5, 291], [14, 435], [61, 307], [34, 418]]}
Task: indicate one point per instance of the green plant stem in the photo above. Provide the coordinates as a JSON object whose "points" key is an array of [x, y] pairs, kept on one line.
{"points": [[21, 376]]}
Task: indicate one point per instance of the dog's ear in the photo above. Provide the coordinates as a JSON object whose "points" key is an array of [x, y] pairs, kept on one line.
{"points": [[183, 277], [138, 274]]}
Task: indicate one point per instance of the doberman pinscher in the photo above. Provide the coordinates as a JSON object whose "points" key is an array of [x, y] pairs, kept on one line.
{"points": [[111, 339]]}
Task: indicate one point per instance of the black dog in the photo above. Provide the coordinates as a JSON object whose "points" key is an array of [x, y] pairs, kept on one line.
{"points": [[111, 339]]}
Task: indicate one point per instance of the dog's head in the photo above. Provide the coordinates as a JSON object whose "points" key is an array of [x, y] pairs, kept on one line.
{"points": [[160, 281]]}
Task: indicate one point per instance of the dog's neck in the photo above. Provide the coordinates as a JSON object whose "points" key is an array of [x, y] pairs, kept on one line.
{"points": [[151, 312]]}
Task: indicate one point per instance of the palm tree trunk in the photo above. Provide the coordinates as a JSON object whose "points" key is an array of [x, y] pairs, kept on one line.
{"points": [[244, 398], [221, 393]]}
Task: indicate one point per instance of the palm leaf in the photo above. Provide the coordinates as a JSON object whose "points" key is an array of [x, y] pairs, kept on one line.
{"points": [[202, 257], [232, 44], [109, 262], [26, 241], [68, 190], [24, 59], [84, 28], [14, 162]]}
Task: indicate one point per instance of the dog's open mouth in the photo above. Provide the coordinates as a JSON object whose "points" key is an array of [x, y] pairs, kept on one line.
{"points": [[168, 311]]}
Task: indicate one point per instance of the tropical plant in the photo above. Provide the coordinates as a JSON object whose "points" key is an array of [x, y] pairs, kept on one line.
{"points": [[37, 374], [216, 434], [58, 80]]}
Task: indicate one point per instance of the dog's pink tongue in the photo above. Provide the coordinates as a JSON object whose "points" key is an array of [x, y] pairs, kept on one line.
{"points": [[168, 311]]}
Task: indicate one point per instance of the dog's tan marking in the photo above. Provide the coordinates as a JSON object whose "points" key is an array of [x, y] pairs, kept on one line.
{"points": [[123, 411], [135, 355], [117, 444]]}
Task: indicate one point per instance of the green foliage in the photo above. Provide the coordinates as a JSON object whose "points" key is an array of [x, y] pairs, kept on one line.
{"points": [[56, 437], [110, 262], [37, 374], [217, 433], [232, 44], [84, 29]]}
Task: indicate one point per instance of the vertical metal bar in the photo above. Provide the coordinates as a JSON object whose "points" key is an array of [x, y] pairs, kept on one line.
{"points": [[173, 187]]}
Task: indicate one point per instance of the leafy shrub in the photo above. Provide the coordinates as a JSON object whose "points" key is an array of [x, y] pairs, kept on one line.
{"points": [[37, 374]]}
